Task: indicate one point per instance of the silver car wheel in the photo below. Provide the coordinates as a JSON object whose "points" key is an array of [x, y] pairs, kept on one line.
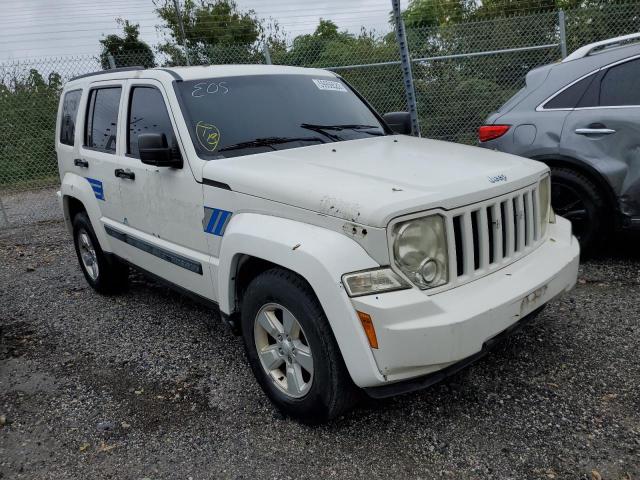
{"points": [[283, 349], [88, 254]]}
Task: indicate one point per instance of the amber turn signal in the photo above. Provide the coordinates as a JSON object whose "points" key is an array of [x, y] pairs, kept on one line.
{"points": [[369, 330]]}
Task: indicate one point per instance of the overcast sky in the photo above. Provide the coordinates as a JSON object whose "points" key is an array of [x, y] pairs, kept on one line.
{"points": [[38, 28]]}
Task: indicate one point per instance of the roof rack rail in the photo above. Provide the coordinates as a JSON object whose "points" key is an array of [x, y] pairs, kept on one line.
{"points": [[111, 70], [588, 49]]}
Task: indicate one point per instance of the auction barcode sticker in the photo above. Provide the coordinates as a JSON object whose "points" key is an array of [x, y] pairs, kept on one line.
{"points": [[329, 85]]}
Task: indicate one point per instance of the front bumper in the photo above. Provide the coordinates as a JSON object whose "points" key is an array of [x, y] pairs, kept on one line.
{"points": [[405, 386], [420, 334]]}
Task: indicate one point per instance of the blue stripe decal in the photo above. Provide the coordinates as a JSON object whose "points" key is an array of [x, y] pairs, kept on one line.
{"points": [[215, 220], [96, 186], [212, 221], [221, 223]]}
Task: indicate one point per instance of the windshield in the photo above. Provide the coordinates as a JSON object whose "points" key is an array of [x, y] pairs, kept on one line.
{"points": [[242, 115]]}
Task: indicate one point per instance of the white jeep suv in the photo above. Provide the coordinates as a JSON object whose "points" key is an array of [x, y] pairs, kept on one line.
{"points": [[348, 256]]}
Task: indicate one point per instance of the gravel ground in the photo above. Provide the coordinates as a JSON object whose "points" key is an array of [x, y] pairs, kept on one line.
{"points": [[136, 387], [27, 207]]}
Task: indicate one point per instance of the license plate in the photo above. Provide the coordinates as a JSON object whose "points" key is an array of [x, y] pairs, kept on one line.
{"points": [[532, 301]]}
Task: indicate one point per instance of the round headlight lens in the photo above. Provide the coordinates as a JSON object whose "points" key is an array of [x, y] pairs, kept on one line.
{"points": [[429, 270], [420, 251]]}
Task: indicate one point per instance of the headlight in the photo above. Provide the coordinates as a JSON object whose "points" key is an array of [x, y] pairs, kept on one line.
{"points": [[545, 204], [420, 251], [368, 282]]}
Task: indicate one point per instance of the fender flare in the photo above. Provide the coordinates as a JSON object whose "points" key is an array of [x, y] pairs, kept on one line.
{"points": [[321, 257], [75, 186]]}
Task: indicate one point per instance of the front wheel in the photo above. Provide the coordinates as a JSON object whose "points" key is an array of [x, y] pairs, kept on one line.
{"points": [[292, 350]]}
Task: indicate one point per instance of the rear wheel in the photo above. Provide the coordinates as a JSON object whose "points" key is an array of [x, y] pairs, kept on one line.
{"points": [[576, 198], [292, 350], [105, 274]]}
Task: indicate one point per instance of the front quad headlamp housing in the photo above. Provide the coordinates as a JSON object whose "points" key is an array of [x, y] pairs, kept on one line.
{"points": [[420, 250]]}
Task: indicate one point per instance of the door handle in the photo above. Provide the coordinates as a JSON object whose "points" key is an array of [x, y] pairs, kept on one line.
{"points": [[595, 131], [125, 174], [80, 162]]}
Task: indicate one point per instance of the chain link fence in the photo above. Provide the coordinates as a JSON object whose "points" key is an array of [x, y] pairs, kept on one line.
{"points": [[461, 73]]}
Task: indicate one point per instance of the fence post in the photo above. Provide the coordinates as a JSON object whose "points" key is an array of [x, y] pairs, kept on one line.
{"points": [[405, 62], [267, 55], [184, 40], [563, 33], [112, 61]]}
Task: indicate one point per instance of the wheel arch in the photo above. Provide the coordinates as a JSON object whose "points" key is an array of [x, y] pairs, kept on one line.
{"points": [[77, 195], [244, 269], [561, 161], [71, 206]]}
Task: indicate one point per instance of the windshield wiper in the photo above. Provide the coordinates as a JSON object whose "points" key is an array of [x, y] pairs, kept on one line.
{"points": [[340, 127], [269, 142]]}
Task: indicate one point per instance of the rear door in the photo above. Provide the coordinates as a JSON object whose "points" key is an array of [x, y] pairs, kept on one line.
{"points": [[604, 128], [97, 157]]}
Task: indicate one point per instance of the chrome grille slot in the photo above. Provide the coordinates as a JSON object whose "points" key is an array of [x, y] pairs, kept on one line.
{"points": [[457, 232], [491, 234], [476, 240], [488, 235]]}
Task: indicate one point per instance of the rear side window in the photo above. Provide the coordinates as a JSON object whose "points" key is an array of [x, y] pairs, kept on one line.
{"points": [[102, 119], [70, 106], [570, 97], [147, 114], [621, 85]]}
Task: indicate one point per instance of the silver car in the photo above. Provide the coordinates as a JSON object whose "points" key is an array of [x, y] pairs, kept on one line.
{"points": [[581, 116]]}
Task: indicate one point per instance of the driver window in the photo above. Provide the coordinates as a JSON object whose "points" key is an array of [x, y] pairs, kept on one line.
{"points": [[147, 114]]}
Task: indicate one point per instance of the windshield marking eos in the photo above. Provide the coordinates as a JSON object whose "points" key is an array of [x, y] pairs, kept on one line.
{"points": [[204, 88]]}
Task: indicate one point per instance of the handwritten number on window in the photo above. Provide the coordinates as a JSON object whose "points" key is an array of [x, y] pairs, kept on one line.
{"points": [[204, 88]]}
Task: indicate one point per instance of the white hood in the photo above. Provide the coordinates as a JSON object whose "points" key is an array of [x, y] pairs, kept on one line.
{"points": [[373, 180]]}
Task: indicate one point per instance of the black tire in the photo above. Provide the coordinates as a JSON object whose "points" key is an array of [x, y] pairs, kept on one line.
{"points": [[575, 197], [112, 275], [332, 391]]}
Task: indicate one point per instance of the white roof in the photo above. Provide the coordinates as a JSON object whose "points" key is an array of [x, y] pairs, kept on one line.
{"points": [[198, 72], [209, 71]]}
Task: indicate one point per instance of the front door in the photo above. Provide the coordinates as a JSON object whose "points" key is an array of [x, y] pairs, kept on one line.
{"points": [[169, 205]]}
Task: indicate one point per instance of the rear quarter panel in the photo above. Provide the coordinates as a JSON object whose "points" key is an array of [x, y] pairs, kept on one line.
{"points": [[532, 133]]}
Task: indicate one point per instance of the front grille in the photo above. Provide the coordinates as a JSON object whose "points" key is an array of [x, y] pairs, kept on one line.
{"points": [[490, 234]]}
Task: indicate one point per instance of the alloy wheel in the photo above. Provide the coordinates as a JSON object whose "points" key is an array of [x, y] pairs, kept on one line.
{"points": [[283, 350], [88, 254], [568, 203]]}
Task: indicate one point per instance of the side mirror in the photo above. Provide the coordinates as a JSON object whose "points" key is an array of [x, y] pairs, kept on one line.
{"points": [[399, 122], [154, 150]]}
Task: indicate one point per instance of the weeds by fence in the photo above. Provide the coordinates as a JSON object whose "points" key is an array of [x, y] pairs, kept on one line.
{"points": [[462, 72]]}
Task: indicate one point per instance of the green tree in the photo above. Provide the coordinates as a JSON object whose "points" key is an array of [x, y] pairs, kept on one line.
{"points": [[127, 50], [430, 13], [327, 46], [214, 32]]}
